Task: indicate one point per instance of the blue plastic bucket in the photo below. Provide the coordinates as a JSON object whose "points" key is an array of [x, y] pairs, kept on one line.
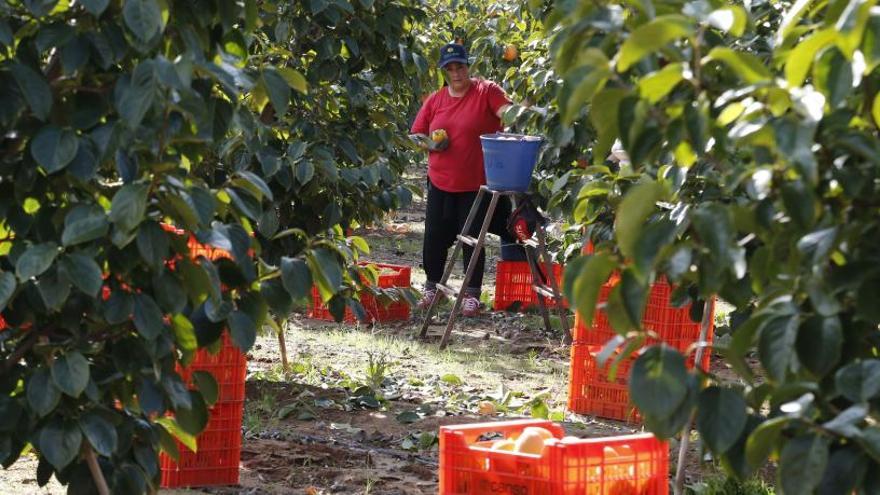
{"points": [[509, 160]]}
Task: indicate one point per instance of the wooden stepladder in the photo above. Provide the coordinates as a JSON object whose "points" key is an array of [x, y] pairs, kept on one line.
{"points": [[536, 256]]}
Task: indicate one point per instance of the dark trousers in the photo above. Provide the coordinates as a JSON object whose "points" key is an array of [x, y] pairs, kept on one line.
{"points": [[445, 215]]}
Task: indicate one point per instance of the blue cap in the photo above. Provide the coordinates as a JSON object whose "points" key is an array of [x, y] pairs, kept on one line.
{"points": [[452, 52]]}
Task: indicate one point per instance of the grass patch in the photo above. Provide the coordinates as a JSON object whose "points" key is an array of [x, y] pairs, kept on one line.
{"points": [[722, 485]]}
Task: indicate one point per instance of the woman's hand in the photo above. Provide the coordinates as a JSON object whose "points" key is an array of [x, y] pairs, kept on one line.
{"points": [[424, 142]]}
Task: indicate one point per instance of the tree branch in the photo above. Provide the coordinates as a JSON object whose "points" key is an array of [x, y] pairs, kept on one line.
{"points": [[95, 469]]}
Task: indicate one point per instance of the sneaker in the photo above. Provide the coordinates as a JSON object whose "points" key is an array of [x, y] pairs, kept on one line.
{"points": [[470, 306], [427, 298]]}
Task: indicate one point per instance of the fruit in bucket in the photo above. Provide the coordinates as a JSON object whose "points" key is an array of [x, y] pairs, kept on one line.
{"points": [[439, 135]]}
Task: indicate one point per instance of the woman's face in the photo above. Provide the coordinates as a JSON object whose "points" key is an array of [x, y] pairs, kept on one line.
{"points": [[457, 75]]}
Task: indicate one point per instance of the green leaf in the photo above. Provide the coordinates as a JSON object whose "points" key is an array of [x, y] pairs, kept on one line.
{"points": [[819, 344], [633, 295], [143, 18], [656, 85], [408, 417], [7, 288], [10, 413], [257, 185], [118, 307], [651, 37], [833, 76], [776, 346], [721, 417], [134, 95], [171, 426], [734, 460], [328, 273], [167, 443], [802, 463], [207, 385], [100, 433], [304, 172], [194, 419], [54, 148], [242, 329], [42, 394], [71, 373], [875, 110], [83, 272], [799, 60], [296, 277], [748, 67], [732, 19], [79, 228], [583, 285], [148, 317], [851, 24], [35, 89], [153, 244], [40, 8], [654, 237], [846, 424], [763, 440], [451, 379], [859, 381], [294, 79], [129, 206], [603, 115], [638, 204], [791, 19], [54, 289], [658, 381], [169, 293], [36, 260], [585, 81], [95, 7], [800, 203], [277, 89], [59, 442], [184, 333]]}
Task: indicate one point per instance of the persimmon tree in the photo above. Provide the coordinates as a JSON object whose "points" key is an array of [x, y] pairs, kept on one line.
{"points": [[245, 124], [753, 140]]}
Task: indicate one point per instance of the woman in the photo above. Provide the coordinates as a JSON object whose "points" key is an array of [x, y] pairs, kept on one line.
{"points": [[465, 108]]}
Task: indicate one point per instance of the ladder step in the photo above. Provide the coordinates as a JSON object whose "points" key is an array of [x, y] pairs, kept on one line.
{"points": [[449, 291], [470, 241], [544, 290]]}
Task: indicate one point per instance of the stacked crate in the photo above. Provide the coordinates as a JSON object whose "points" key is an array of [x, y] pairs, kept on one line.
{"points": [[219, 446], [390, 276], [590, 390]]}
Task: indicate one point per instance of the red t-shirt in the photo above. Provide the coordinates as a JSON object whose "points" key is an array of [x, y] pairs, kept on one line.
{"points": [[459, 167]]}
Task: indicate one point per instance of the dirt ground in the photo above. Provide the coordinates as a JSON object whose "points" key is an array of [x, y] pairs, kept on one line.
{"points": [[314, 429]]}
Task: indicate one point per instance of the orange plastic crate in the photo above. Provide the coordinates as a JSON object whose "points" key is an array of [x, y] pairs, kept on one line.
{"points": [[673, 325], [468, 466], [229, 367], [513, 283], [219, 445], [591, 392], [394, 276], [219, 452]]}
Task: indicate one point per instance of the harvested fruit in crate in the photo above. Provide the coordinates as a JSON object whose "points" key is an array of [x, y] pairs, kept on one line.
{"points": [[534, 457]]}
